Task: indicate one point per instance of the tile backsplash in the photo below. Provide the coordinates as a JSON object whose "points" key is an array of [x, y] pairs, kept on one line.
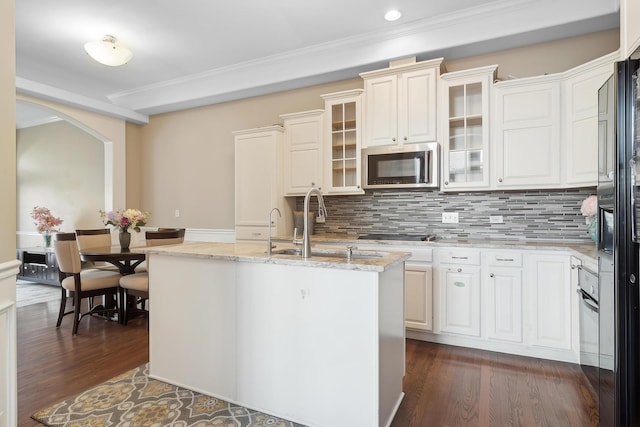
{"points": [[539, 214]]}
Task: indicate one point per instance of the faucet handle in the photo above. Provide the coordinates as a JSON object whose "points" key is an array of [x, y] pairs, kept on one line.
{"points": [[350, 249], [296, 241]]}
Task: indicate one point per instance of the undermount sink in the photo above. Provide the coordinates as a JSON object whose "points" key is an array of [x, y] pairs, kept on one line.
{"points": [[331, 253]]}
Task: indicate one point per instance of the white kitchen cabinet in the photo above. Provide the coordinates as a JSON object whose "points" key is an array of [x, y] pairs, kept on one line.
{"points": [[629, 27], [400, 103], [465, 116], [548, 296], [458, 288], [526, 141], [258, 184], [580, 124], [303, 151], [343, 128], [418, 277], [502, 284]]}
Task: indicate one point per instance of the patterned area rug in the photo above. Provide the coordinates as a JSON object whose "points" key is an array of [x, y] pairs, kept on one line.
{"points": [[133, 399]]}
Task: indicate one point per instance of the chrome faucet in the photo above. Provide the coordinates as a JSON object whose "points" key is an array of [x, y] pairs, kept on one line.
{"points": [[322, 213], [269, 245]]}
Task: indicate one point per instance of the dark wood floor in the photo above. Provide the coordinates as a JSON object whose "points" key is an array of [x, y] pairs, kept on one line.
{"points": [[444, 386]]}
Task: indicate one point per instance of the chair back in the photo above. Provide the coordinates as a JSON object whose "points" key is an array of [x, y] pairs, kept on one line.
{"points": [[98, 238], [67, 253], [165, 236]]}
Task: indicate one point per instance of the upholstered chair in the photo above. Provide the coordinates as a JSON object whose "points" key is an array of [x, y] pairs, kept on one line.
{"points": [[95, 238], [79, 284], [137, 285]]}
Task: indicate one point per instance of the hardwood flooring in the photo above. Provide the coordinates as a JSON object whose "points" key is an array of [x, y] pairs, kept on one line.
{"points": [[444, 385]]}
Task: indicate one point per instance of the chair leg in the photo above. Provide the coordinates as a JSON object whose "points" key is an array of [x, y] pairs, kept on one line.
{"points": [[125, 307], [63, 305], [76, 312]]}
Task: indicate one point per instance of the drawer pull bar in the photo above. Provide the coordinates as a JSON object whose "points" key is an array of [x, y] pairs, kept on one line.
{"points": [[504, 259], [460, 257], [459, 284]]}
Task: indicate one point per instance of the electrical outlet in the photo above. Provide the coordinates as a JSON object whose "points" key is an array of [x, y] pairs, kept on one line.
{"points": [[450, 217], [496, 219], [177, 213]]}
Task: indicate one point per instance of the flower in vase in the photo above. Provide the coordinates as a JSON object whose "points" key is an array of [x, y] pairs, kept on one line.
{"points": [[44, 221], [589, 208], [123, 220]]}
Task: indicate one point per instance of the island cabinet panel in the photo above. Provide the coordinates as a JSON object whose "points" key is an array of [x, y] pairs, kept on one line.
{"points": [[192, 334], [277, 335], [297, 354]]}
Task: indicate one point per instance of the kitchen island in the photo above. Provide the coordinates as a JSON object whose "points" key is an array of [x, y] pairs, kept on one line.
{"points": [[317, 341]]}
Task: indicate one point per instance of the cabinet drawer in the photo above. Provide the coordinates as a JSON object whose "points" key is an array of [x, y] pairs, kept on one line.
{"points": [[459, 257], [423, 255], [504, 259], [252, 233]]}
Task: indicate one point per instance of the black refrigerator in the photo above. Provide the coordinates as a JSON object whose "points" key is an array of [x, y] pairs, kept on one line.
{"points": [[618, 242]]}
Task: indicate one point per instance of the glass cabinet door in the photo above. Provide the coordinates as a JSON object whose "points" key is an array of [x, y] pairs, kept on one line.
{"points": [[466, 129], [344, 129], [343, 145], [465, 133]]}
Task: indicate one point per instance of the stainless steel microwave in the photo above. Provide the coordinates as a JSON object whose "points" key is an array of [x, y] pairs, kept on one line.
{"points": [[401, 166]]}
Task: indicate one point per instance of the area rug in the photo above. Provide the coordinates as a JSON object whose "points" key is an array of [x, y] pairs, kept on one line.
{"points": [[133, 399], [29, 293]]}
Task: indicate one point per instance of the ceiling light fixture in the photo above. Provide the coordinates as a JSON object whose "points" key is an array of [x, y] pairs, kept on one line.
{"points": [[392, 15], [108, 51]]}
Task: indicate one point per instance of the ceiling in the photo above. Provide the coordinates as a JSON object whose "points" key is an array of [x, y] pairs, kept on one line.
{"points": [[196, 52]]}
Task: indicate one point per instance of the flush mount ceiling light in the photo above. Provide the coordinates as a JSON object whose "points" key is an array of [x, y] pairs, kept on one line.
{"points": [[392, 15], [108, 51]]}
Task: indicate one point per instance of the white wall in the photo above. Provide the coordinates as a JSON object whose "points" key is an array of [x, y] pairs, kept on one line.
{"points": [[61, 167]]}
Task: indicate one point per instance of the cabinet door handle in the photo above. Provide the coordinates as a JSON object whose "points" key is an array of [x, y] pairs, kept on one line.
{"points": [[459, 284], [504, 259], [460, 257]]}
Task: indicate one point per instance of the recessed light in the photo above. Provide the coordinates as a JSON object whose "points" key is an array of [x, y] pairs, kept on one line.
{"points": [[392, 15]]}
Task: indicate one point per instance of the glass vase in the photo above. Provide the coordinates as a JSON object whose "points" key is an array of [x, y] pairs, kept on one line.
{"points": [[46, 236], [125, 240]]}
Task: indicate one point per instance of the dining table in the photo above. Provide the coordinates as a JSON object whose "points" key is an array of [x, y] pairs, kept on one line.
{"points": [[124, 259]]}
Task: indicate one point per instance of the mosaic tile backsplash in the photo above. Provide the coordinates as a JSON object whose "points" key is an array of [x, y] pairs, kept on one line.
{"points": [[540, 215]]}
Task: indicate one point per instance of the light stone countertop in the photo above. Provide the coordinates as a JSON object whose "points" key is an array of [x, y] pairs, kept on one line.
{"points": [[586, 251], [256, 252]]}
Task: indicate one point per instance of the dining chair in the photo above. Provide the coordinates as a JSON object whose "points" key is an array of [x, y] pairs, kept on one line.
{"points": [[95, 238], [79, 283], [137, 285]]}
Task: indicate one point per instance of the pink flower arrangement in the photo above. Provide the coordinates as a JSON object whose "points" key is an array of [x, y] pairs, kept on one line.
{"points": [[589, 208], [125, 219], [45, 222]]}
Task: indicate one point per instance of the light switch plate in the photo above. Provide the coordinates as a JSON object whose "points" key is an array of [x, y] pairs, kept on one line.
{"points": [[450, 217], [496, 219]]}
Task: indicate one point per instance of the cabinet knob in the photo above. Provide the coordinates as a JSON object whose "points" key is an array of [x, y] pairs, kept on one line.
{"points": [[405, 138], [446, 183], [313, 184], [393, 139], [491, 275], [459, 270], [499, 179]]}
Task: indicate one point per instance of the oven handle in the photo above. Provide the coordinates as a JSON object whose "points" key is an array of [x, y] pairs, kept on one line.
{"points": [[588, 300]]}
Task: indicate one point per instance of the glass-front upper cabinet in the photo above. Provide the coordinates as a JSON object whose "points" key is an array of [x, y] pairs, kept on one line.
{"points": [[465, 127], [342, 149]]}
